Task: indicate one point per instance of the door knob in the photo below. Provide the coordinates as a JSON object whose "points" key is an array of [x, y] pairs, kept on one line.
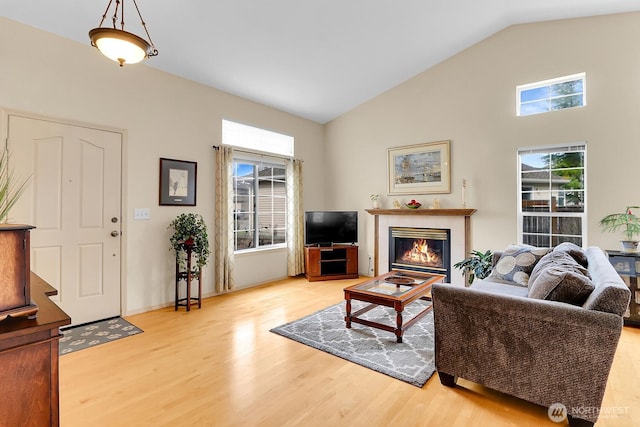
{"points": [[114, 233]]}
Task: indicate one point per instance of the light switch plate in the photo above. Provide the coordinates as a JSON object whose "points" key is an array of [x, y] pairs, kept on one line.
{"points": [[141, 213]]}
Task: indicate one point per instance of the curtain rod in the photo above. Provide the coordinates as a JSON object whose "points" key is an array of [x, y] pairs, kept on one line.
{"points": [[259, 153]]}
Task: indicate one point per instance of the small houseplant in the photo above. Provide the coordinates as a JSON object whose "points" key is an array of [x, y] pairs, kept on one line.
{"points": [[190, 230], [628, 223], [479, 264], [10, 190], [375, 201]]}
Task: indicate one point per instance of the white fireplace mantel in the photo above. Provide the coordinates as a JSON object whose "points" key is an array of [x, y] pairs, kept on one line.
{"points": [[456, 220]]}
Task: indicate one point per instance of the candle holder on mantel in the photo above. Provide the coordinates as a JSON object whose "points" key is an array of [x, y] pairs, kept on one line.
{"points": [[464, 195], [15, 286]]}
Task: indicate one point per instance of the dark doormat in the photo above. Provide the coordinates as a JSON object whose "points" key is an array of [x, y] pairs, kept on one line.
{"points": [[95, 333]]}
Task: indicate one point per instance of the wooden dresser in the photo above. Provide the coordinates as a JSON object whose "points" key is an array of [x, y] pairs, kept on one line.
{"points": [[29, 362]]}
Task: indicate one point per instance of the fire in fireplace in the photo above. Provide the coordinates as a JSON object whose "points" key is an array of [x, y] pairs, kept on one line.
{"points": [[422, 254], [420, 249]]}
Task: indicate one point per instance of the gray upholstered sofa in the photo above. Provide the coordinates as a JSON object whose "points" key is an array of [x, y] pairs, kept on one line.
{"points": [[507, 335]]}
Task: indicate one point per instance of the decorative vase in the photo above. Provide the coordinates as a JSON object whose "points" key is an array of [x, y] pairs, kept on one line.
{"points": [[630, 245], [376, 204]]}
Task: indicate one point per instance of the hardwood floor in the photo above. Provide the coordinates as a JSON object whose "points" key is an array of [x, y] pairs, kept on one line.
{"points": [[220, 366]]}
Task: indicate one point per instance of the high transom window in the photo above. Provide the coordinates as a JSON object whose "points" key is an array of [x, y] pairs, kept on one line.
{"points": [[550, 95], [552, 196]]}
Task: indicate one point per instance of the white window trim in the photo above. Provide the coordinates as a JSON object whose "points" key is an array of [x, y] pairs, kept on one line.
{"points": [[257, 158], [550, 82], [521, 214], [255, 145]]}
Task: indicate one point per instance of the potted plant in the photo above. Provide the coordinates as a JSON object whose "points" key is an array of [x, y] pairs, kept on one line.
{"points": [[375, 201], [479, 264], [628, 223], [190, 230], [10, 191]]}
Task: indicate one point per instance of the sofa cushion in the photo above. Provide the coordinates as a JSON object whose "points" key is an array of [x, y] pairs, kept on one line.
{"points": [[517, 262], [575, 251], [559, 277], [501, 287], [556, 283], [557, 258]]}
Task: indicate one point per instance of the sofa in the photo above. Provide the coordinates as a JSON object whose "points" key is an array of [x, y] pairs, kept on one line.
{"points": [[543, 327]]}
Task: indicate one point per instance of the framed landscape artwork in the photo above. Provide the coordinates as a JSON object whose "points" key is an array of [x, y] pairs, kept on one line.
{"points": [[419, 169], [177, 182]]}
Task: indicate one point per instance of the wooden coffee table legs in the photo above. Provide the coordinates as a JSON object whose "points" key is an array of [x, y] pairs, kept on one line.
{"points": [[399, 331], [399, 328]]}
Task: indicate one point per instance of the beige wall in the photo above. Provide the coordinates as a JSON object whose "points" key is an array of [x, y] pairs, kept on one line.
{"points": [[163, 116], [470, 100]]}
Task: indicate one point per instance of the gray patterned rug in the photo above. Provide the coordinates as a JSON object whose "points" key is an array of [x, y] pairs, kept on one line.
{"points": [[95, 333], [411, 361]]}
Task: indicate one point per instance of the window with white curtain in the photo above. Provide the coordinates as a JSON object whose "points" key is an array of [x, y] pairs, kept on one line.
{"points": [[259, 185], [552, 195]]}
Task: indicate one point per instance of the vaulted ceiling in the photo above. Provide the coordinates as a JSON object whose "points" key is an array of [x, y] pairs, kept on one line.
{"points": [[316, 59]]}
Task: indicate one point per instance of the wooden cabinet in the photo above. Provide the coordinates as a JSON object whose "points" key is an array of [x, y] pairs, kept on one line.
{"points": [[15, 294], [328, 263], [29, 362], [627, 264]]}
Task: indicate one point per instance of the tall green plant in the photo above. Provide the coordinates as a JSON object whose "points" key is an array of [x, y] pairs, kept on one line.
{"points": [[625, 221], [10, 190], [190, 229]]}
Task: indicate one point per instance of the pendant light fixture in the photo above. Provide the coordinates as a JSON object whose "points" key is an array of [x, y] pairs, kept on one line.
{"points": [[116, 43]]}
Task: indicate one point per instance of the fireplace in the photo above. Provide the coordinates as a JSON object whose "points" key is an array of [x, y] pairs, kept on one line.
{"points": [[420, 249]]}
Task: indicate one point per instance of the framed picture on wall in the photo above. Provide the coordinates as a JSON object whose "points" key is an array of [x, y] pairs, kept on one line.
{"points": [[177, 182], [419, 169]]}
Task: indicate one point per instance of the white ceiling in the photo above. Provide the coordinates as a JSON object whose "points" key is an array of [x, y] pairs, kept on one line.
{"points": [[313, 58]]}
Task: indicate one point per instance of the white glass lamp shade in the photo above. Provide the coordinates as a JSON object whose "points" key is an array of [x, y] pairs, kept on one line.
{"points": [[119, 45]]}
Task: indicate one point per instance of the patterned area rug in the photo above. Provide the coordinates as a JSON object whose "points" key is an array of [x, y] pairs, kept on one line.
{"points": [[96, 333], [411, 361]]}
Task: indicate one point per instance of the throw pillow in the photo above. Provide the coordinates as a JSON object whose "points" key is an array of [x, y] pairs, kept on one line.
{"points": [[557, 258], [516, 263], [575, 251], [557, 283]]}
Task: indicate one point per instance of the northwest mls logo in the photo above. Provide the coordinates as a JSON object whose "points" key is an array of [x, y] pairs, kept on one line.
{"points": [[557, 412]]}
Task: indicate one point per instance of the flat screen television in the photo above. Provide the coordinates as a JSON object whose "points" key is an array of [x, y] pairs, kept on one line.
{"points": [[325, 228]]}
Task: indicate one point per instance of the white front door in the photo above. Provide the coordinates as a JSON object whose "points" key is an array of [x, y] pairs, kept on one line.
{"points": [[74, 201]]}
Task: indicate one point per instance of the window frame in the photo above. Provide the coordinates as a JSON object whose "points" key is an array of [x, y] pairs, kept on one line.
{"points": [[547, 84], [255, 210], [258, 147], [551, 149]]}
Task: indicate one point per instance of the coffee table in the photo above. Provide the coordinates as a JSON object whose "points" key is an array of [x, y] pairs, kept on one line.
{"points": [[395, 289]]}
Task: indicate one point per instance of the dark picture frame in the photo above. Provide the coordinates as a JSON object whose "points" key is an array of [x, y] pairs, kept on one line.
{"points": [[178, 180]]}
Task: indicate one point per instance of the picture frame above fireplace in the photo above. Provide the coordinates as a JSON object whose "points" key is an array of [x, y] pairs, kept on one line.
{"points": [[419, 169]]}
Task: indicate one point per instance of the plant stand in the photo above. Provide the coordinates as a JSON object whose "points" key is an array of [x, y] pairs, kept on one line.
{"points": [[188, 276]]}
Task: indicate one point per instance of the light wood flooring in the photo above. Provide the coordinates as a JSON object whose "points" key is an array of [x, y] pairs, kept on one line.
{"points": [[220, 366]]}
